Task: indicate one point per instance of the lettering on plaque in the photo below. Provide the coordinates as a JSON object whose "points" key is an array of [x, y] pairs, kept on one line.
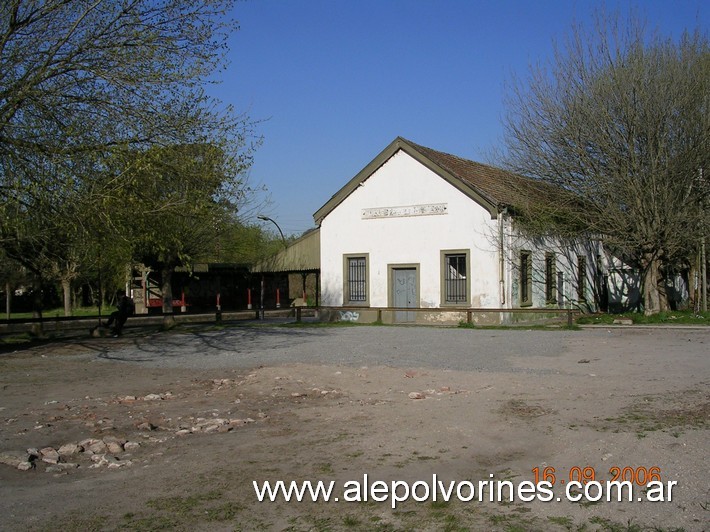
{"points": [[428, 209]]}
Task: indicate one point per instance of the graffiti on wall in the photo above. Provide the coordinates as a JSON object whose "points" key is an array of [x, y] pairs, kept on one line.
{"points": [[349, 315]]}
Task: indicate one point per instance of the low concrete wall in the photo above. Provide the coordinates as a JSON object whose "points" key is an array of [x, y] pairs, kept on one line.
{"points": [[442, 316]]}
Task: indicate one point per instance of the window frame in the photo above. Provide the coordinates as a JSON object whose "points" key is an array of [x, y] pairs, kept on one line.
{"points": [[525, 278], [550, 279], [443, 270], [347, 301], [581, 278]]}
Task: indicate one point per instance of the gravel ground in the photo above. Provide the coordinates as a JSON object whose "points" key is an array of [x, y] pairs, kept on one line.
{"points": [[246, 347], [437, 348], [337, 403]]}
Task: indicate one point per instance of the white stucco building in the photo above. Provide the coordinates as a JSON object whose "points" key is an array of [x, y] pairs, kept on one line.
{"points": [[418, 228]]}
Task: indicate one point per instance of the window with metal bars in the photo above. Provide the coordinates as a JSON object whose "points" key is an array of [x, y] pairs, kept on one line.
{"points": [[357, 279], [550, 279], [525, 278], [581, 278], [455, 278]]}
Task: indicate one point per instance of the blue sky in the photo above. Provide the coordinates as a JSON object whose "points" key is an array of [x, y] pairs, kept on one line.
{"points": [[334, 82]]}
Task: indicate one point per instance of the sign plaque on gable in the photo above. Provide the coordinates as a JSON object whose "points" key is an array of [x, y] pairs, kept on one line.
{"points": [[428, 209]]}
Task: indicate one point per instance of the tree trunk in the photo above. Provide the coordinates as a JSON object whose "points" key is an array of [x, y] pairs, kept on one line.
{"points": [[66, 290], [651, 295], [664, 303], [8, 299], [37, 326], [693, 283], [167, 290]]}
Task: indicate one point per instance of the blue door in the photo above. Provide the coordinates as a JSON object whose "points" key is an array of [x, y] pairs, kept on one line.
{"points": [[404, 286]]}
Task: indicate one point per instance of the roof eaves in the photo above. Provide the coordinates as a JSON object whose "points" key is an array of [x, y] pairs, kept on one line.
{"points": [[419, 153], [453, 177]]}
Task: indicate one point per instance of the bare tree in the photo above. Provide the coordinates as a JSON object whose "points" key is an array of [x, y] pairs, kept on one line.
{"points": [[619, 122]]}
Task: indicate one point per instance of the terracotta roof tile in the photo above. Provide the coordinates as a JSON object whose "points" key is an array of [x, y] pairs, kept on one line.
{"points": [[498, 186]]}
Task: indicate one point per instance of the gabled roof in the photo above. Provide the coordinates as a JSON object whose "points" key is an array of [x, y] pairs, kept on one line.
{"points": [[491, 187]]}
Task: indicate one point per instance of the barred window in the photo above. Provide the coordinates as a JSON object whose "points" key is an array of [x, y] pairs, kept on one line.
{"points": [[357, 279], [455, 278], [581, 278], [550, 278], [525, 278]]}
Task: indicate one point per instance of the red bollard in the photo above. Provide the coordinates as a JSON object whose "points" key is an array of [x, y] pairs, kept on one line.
{"points": [[249, 298]]}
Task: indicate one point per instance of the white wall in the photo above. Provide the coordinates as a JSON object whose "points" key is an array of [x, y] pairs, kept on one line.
{"points": [[402, 181], [624, 284], [566, 254]]}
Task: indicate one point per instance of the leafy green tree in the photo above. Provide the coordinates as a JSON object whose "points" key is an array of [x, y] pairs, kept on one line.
{"points": [[179, 200], [81, 81], [619, 123], [243, 243], [12, 274], [32, 235], [54, 232], [85, 75]]}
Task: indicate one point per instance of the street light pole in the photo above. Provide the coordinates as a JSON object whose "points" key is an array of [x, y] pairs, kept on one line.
{"points": [[283, 239], [267, 219]]}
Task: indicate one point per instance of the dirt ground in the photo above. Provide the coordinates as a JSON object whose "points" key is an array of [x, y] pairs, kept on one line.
{"points": [[318, 407]]}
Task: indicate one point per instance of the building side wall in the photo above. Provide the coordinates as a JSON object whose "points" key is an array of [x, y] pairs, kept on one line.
{"points": [[566, 255]]}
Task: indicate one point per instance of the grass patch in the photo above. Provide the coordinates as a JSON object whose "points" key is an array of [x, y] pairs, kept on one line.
{"points": [[151, 524], [81, 312], [169, 513], [351, 522], [76, 522], [566, 522], [672, 412], [513, 523], [677, 317], [439, 505], [573, 327], [225, 512], [522, 326], [16, 339], [207, 510], [614, 526], [182, 505], [326, 468]]}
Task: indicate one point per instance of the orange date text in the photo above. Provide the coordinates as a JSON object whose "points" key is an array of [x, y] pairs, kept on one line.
{"points": [[636, 475]]}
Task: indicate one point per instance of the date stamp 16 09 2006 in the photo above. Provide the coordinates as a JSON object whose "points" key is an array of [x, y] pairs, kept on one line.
{"points": [[620, 482]]}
